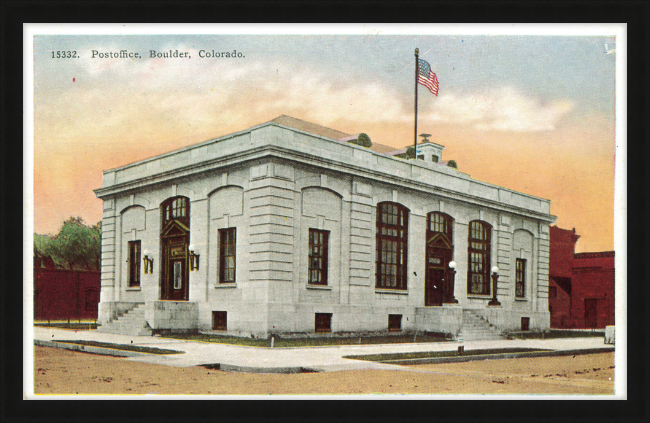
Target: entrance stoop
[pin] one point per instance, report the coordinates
(131, 322)
(476, 328)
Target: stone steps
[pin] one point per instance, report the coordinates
(130, 323)
(475, 328)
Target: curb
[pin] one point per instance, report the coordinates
(460, 359)
(93, 350)
(246, 369)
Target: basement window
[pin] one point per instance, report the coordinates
(219, 320)
(323, 322)
(394, 322)
(525, 324)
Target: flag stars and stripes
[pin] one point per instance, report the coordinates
(426, 77)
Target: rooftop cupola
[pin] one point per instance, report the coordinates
(429, 151)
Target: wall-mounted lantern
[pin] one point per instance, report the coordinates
(148, 262)
(495, 277)
(194, 258)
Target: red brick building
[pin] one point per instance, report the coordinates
(64, 294)
(581, 286)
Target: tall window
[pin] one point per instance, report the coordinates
(318, 241)
(227, 241)
(478, 251)
(520, 278)
(392, 237)
(134, 263)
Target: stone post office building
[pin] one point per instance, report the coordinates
(285, 228)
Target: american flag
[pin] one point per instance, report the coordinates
(426, 77)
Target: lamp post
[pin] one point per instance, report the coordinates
(495, 277)
(449, 284)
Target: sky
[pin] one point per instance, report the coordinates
(535, 114)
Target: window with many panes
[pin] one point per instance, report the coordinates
(441, 223)
(318, 244)
(520, 278)
(227, 250)
(478, 252)
(392, 238)
(134, 263)
(176, 209)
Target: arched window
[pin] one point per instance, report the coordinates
(478, 257)
(392, 240)
(177, 208)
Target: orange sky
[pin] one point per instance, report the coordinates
(555, 142)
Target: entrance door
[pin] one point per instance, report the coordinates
(591, 313)
(175, 275)
(174, 240)
(433, 286)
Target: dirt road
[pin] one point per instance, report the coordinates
(65, 372)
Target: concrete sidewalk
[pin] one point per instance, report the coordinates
(288, 360)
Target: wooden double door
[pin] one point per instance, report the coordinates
(435, 284)
(174, 281)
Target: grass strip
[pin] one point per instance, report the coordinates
(75, 326)
(556, 334)
(439, 354)
(306, 342)
(123, 347)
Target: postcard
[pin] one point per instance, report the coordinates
(325, 210)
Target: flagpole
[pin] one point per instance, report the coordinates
(415, 143)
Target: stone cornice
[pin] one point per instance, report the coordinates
(344, 158)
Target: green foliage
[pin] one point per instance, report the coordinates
(123, 347)
(441, 354)
(305, 342)
(76, 247)
(452, 163)
(362, 140)
(410, 152)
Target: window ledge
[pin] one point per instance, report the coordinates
(225, 285)
(322, 287)
(133, 288)
(521, 299)
(391, 291)
(480, 296)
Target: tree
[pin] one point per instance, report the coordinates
(362, 140)
(77, 246)
(452, 163)
(410, 152)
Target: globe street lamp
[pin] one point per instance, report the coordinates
(449, 285)
(495, 277)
